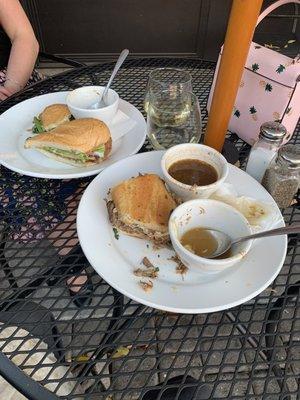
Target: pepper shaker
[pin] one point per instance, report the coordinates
(282, 177)
(265, 149)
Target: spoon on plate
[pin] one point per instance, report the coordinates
(102, 102)
(224, 242)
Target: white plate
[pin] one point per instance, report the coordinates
(115, 260)
(14, 126)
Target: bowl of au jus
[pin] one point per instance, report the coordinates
(193, 171)
(190, 227)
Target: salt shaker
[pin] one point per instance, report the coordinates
(265, 148)
(282, 177)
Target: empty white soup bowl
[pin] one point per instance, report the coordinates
(80, 101)
(211, 214)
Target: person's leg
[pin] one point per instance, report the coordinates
(37, 213)
(62, 238)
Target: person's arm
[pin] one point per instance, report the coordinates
(24, 49)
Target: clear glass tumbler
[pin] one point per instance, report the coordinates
(172, 79)
(174, 117)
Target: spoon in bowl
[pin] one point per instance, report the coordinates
(224, 242)
(102, 102)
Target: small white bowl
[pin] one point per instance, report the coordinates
(193, 151)
(212, 214)
(80, 100)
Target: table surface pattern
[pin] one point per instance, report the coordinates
(112, 347)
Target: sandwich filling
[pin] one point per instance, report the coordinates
(38, 126)
(159, 238)
(77, 155)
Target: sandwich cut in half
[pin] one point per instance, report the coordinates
(51, 118)
(81, 142)
(141, 207)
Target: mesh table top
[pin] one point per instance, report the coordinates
(111, 347)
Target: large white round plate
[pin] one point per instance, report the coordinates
(115, 260)
(15, 126)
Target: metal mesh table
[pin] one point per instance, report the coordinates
(112, 347)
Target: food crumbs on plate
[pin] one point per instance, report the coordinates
(180, 268)
(150, 272)
(116, 233)
(146, 286)
(147, 273)
(147, 262)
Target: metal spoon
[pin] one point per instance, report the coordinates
(102, 102)
(225, 242)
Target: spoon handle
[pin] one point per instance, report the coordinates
(119, 62)
(273, 232)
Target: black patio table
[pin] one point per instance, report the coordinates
(110, 347)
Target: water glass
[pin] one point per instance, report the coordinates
(173, 118)
(172, 79)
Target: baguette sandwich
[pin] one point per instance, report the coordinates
(141, 207)
(51, 118)
(81, 142)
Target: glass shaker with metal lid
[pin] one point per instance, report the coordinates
(265, 148)
(282, 177)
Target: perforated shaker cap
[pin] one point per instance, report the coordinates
(273, 131)
(290, 153)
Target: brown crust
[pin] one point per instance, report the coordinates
(55, 114)
(84, 135)
(144, 201)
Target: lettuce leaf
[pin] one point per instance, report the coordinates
(100, 151)
(37, 125)
(75, 155)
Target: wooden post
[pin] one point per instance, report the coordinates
(240, 29)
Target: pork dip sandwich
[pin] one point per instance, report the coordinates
(141, 207)
(81, 142)
(51, 118)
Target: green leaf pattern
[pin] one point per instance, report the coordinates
(237, 113)
(280, 69)
(268, 87)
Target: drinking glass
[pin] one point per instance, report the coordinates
(173, 118)
(172, 79)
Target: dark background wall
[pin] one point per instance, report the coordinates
(96, 30)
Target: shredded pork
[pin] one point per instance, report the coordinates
(157, 237)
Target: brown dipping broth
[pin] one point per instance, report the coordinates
(193, 172)
(200, 242)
